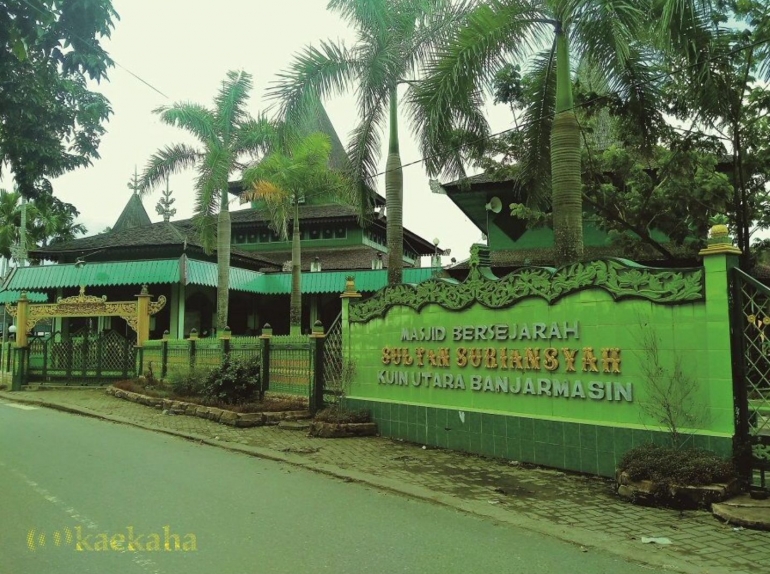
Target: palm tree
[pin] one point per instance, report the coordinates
(226, 134)
(53, 220)
(15, 215)
(394, 36)
(10, 221)
(603, 35)
(283, 180)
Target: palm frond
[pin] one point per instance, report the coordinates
(533, 180)
(196, 119)
(165, 162)
(682, 29)
(255, 136)
(365, 14)
(230, 102)
(437, 20)
(606, 33)
(278, 204)
(211, 191)
(315, 74)
(365, 148)
(451, 96)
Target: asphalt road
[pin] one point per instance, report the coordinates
(78, 495)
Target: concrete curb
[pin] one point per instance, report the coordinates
(656, 556)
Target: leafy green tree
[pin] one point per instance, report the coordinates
(605, 36)
(662, 198)
(53, 221)
(282, 180)
(50, 123)
(732, 104)
(227, 134)
(394, 38)
(48, 219)
(10, 221)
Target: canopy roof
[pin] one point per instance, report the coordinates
(190, 272)
(13, 297)
(96, 274)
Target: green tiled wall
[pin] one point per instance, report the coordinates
(588, 448)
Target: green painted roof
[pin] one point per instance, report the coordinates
(13, 296)
(94, 274)
(205, 273)
(334, 281)
(195, 273)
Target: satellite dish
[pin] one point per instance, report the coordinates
(494, 205)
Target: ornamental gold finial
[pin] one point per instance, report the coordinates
(719, 240)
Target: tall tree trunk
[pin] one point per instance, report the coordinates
(394, 198)
(223, 263)
(565, 163)
(295, 311)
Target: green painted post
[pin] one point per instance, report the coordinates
(84, 353)
(347, 296)
(45, 359)
(99, 351)
(20, 368)
(139, 361)
(317, 339)
(719, 258)
(267, 334)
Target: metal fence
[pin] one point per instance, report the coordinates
(290, 369)
(333, 370)
(164, 357)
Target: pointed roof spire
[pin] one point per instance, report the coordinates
(134, 183)
(133, 214)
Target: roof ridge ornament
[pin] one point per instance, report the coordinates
(163, 207)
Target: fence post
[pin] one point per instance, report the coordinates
(193, 338)
(99, 353)
(139, 365)
(20, 368)
(264, 379)
(317, 339)
(347, 297)
(164, 354)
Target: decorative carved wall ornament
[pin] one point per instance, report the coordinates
(620, 278)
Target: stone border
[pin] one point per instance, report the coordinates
(686, 496)
(322, 429)
(222, 416)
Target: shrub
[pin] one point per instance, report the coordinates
(187, 382)
(234, 382)
(667, 466)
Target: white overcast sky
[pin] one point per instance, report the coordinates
(184, 49)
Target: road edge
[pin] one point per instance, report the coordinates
(626, 550)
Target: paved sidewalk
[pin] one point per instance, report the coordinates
(579, 509)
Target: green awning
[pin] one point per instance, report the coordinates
(94, 274)
(204, 273)
(333, 281)
(13, 297)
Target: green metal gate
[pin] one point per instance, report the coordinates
(750, 306)
(82, 357)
